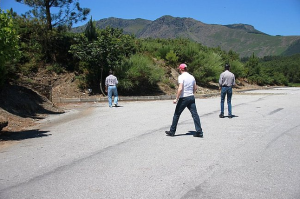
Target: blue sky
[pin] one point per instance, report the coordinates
(273, 17)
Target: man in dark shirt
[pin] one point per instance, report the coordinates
(226, 81)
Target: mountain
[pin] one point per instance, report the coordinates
(129, 26)
(241, 38)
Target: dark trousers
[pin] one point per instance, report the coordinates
(182, 103)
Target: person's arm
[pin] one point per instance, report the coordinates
(106, 85)
(233, 84)
(195, 88)
(220, 81)
(179, 90)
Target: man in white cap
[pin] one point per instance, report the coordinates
(185, 98)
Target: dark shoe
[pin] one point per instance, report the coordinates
(197, 134)
(230, 116)
(169, 133)
(221, 116)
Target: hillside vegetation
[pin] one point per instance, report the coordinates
(241, 38)
(141, 64)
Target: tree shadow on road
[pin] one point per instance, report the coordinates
(22, 135)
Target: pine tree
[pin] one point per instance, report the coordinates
(69, 11)
(90, 31)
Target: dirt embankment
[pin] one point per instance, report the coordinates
(22, 107)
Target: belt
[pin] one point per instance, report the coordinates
(111, 85)
(226, 86)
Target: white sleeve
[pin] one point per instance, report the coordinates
(180, 79)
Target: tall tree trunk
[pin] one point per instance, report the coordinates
(101, 82)
(48, 14)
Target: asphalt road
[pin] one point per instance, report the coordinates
(94, 151)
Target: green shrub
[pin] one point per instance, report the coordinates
(56, 67)
(168, 82)
(188, 51)
(29, 68)
(141, 74)
(237, 69)
(82, 82)
(172, 58)
(162, 52)
(206, 67)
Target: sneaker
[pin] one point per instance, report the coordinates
(115, 105)
(230, 116)
(221, 116)
(169, 133)
(198, 134)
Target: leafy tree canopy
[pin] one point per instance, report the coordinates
(9, 48)
(68, 11)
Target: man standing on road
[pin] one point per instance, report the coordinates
(185, 98)
(111, 82)
(226, 81)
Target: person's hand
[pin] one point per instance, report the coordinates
(175, 101)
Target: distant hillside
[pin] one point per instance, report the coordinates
(241, 38)
(129, 26)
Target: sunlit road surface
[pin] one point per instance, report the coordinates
(94, 151)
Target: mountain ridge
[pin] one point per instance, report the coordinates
(241, 38)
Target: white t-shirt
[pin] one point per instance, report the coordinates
(188, 82)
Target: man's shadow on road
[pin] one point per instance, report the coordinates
(233, 116)
(189, 133)
(117, 106)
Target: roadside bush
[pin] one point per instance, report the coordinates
(162, 52)
(148, 45)
(187, 51)
(29, 68)
(206, 67)
(280, 79)
(171, 58)
(169, 83)
(81, 82)
(56, 67)
(142, 75)
(237, 69)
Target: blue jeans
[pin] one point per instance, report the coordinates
(182, 103)
(226, 91)
(112, 90)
